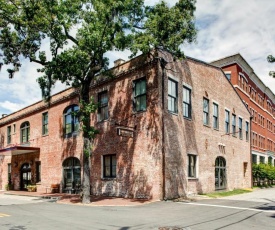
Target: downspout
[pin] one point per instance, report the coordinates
(250, 145)
(162, 65)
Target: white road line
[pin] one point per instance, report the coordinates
(230, 207)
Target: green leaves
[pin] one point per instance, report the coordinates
(271, 59)
(70, 38)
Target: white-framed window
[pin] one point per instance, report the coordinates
(45, 122)
(186, 102)
(247, 131)
(103, 106)
(215, 116)
(140, 94)
(8, 134)
(240, 128)
(172, 96)
(192, 165)
(227, 121)
(233, 124)
(205, 111)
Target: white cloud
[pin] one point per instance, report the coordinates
(10, 106)
(225, 27)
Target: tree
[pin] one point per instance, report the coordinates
(271, 59)
(80, 33)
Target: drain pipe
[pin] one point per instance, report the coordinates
(162, 65)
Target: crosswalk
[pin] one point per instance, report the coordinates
(3, 215)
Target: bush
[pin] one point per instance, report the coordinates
(263, 172)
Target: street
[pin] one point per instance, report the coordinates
(247, 211)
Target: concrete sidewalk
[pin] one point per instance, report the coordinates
(64, 198)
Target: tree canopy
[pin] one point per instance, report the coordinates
(79, 34)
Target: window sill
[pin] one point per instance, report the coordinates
(108, 178)
(45, 135)
(102, 121)
(217, 129)
(205, 125)
(193, 178)
(173, 113)
(69, 135)
(140, 111)
(188, 118)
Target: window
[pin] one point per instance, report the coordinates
(233, 124)
(25, 132)
(254, 158)
(38, 171)
(109, 166)
(227, 121)
(71, 123)
(9, 173)
(262, 159)
(205, 111)
(140, 95)
(103, 106)
(240, 128)
(247, 130)
(8, 134)
(172, 96)
(186, 102)
(228, 75)
(215, 116)
(192, 160)
(14, 128)
(45, 123)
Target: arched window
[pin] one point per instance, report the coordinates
(71, 123)
(220, 173)
(71, 174)
(25, 132)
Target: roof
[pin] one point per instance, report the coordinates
(239, 60)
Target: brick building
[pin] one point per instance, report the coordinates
(163, 134)
(260, 100)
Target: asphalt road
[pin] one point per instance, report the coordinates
(249, 211)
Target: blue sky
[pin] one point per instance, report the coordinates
(225, 27)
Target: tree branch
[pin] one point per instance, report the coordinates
(39, 62)
(69, 36)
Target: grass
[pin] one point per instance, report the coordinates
(228, 193)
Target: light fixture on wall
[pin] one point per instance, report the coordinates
(31, 162)
(15, 164)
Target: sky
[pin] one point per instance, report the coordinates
(225, 27)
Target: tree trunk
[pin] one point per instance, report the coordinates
(86, 122)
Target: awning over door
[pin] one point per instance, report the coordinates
(17, 150)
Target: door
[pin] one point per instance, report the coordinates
(25, 176)
(71, 175)
(220, 173)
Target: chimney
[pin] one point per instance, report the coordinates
(4, 115)
(118, 62)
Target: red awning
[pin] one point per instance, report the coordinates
(16, 150)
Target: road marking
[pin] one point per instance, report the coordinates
(3, 215)
(231, 207)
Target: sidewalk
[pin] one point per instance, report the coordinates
(64, 198)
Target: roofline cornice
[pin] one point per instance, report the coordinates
(239, 60)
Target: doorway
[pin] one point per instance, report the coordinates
(26, 176)
(71, 175)
(220, 173)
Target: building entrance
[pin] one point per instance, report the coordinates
(220, 173)
(26, 176)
